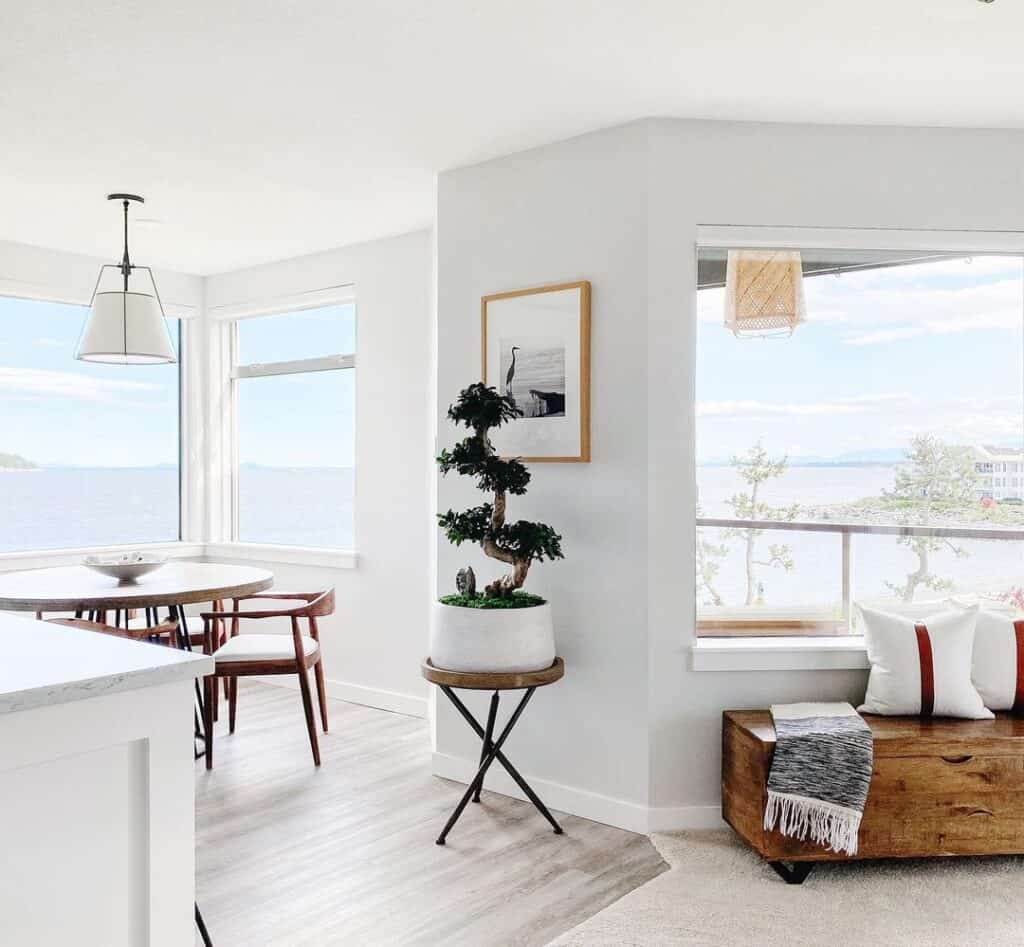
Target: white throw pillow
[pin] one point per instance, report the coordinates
(998, 661)
(921, 667)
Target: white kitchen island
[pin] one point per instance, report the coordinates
(96, 788)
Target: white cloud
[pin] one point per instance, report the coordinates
(40, 383)
(886, 335)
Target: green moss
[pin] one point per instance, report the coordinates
(518, 600)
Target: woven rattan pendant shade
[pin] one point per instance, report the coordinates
(764, 292)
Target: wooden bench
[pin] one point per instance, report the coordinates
(939, 787)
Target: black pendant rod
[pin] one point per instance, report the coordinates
(126, 263)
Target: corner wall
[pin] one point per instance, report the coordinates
(374, 642)
(631, 736)
(572, 211)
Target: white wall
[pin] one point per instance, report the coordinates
(621, 208)
(373, 644)
(575, 211)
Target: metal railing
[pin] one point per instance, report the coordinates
(847, 531)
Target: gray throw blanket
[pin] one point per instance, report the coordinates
(820, 773)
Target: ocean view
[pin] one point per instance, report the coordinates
(68, 507)
(990, 566)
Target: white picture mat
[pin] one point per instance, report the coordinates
(555, 318)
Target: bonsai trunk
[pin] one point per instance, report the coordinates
(507, 584)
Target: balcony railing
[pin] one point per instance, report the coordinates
(797, 621)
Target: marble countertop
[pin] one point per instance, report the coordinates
(43, 664)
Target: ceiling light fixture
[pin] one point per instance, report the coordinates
(124, 327)
(764, 293)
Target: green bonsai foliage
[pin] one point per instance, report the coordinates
(516, 600)
(518, 544)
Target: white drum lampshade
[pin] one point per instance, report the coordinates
(764, 292)
(125, 328)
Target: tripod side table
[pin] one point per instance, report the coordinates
(490, 750)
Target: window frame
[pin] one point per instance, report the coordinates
(316, 299)
(175, 548)
(756, 645)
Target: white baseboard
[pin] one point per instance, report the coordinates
(676, 818)
(408, 704)
(583, 803)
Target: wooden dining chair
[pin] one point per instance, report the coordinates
(250, 654)
(167, 629)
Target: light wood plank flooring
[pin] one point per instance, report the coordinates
(291, 855)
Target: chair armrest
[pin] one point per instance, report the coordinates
(273, 613)
(281, 596)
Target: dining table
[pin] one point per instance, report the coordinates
(174, 585)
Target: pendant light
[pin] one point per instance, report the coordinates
(126, 327)
(764, 293)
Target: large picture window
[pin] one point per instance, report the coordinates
(88, 452)
(294, 380)
(876, 454)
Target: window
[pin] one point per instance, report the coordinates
(861, 458)
(294, 380)
(88, 453)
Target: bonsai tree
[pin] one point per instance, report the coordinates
(480, 408)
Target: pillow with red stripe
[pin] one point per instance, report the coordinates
(998, 668)
(921, 667)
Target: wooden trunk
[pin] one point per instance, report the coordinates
(938, 787)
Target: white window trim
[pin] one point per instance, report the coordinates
(841, 652)
(188, 427)
(288, 555)
(47, 558)
(229, 317)
(327, 363)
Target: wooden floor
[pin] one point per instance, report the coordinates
(290, 855)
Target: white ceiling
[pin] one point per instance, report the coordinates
(262, 129)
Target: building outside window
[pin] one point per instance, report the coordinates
(864, 456)
(294, 394)
(89, 453)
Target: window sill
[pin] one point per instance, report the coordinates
(46, 558)
(289, 555)
(779, 654)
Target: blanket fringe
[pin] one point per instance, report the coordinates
(825, 823)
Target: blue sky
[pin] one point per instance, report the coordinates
(59, 411)
(885, 354)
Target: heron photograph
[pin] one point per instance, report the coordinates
(533, 374)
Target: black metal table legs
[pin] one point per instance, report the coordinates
(489, 752)
(201, 926)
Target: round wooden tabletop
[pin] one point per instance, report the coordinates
(488, 681)
(76, 588)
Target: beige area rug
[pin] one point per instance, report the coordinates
(719, 893)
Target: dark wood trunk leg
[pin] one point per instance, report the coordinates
(321, 691)
(208, 718)
(307, 706)
(231, 687)
(794, 874)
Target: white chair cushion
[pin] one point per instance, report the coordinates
(245, 647)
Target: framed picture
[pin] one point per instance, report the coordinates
(536, 349)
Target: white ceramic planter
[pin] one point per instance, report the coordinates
(492, 639)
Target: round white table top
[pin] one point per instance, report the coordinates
(74, 588)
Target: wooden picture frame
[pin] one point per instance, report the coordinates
(552, 326)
